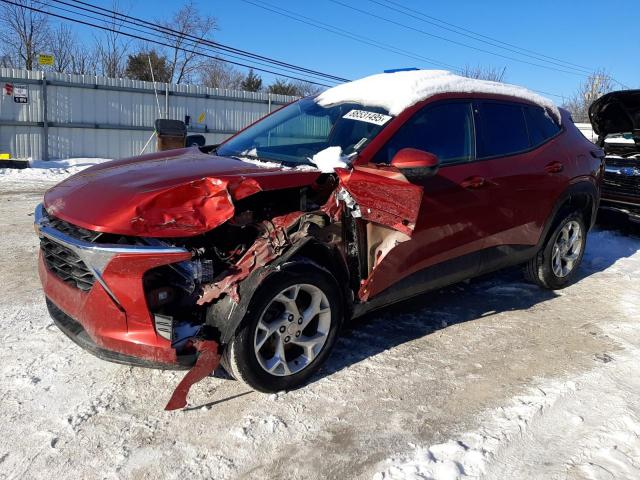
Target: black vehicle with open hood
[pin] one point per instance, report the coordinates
(615, 117)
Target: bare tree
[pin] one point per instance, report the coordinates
(5, 60)
(24, 32)
(596, 85)
(112, 47)
(84, 61)
(183, 59)
(62, 46)
(305, 89)
(219, 74)
(484, 72)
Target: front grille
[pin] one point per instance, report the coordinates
(72, 230)
(619, 184)
(66, 265)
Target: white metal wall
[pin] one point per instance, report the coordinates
(90, 116)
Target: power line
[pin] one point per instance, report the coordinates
(455, 42)
(163, 35)
(327, 28)
(130, 35)
(347, 34)
(217, 45)
(411, 12)
(359, 38)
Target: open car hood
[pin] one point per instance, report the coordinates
(175, 193)
(616, 112)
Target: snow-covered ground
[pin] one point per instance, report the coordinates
(44, 172)
(494, 378)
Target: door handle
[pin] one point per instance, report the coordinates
(554, 167)
(474, 182)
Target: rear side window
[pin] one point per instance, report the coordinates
(503, 130)
(445, 130)
(541, 126)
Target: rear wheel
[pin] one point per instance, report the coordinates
(555, 266)
(289, 329)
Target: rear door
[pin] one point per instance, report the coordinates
(527, 168)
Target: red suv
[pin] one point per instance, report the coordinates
(260, 248)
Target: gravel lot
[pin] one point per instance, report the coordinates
(486, 378)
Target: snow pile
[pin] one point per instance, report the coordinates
(397, 91)
(329, 159)
(50, 171)
(69, 163)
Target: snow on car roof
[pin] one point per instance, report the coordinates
(397, 91)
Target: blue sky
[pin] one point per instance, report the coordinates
(592, 34)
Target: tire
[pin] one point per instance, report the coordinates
(554, 267)
(268, 329)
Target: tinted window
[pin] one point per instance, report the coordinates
(503, 129)
(445, 130)
(541, 126)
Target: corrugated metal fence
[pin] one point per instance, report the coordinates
(88, 116)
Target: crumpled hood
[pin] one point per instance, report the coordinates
(175, 193)
(616, 112)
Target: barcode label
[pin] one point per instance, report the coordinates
(369, 117)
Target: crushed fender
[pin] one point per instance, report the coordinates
(264, 250)
(207, 361)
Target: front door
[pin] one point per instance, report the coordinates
(455, 214)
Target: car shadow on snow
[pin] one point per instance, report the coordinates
(502, 291)
(424, 314)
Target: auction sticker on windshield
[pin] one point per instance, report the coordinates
(369, 117)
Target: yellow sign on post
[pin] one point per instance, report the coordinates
(45, 59)
(201, 117)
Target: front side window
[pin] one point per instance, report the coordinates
(540, 125)
(446, 130)
(502, 131)
(295, 133)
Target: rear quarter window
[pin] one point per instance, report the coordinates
(503, 130)
(540, 125)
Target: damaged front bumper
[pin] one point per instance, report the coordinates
(109, 318)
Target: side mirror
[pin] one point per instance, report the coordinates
(416, 163)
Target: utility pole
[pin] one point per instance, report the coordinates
(45, 122)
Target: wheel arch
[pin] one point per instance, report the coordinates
(583, 196)
(226, 316)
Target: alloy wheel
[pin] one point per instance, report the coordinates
(292, 329)
(567, 249)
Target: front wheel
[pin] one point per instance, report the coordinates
(555, 266)
(288, 331)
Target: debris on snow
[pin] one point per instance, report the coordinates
(399, 90)
(329, 159)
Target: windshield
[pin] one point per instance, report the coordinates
(297, 132)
